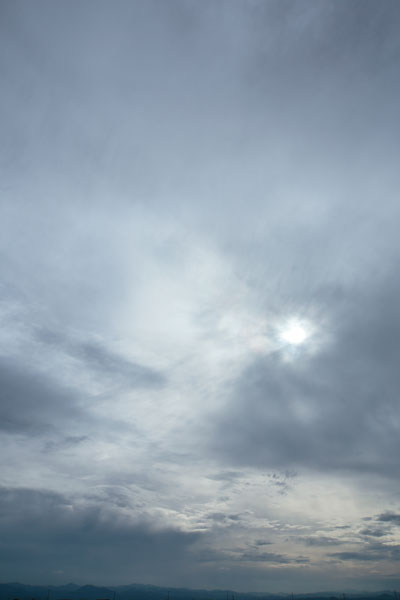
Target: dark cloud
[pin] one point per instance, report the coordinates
(321, 540)
(64, 443)
(271, 557)
(33, 403)
(372, 551)
(262, 543)
(389, 517)
(361, 556)
(103, 361)
(42, 532)
(376, 532)
(223, 517)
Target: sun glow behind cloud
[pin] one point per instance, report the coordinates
(295, 333)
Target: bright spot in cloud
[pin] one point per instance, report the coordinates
(294, 333)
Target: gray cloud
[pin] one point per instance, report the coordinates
(32, 403)
(389, 517)
(103, 361)
(64, 443)
(361, 556)
(43, 531)
(271, 557)
(262, 543)
(376, 532)
(375, 551)
(322, 540)
(220, 516)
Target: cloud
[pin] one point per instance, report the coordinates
(103, 361)
(373, 551)
(44, 531)
(271, 557)
(64, 443)
(322, 540)
(361, 556)
(389, 517)
(33, 404)
(376, 532)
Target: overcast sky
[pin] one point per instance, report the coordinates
(200, 293)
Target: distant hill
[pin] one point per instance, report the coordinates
(72, 591)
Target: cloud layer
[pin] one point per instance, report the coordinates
(180, 181)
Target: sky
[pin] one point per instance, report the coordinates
(199, 293)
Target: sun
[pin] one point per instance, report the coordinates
(294, 333)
